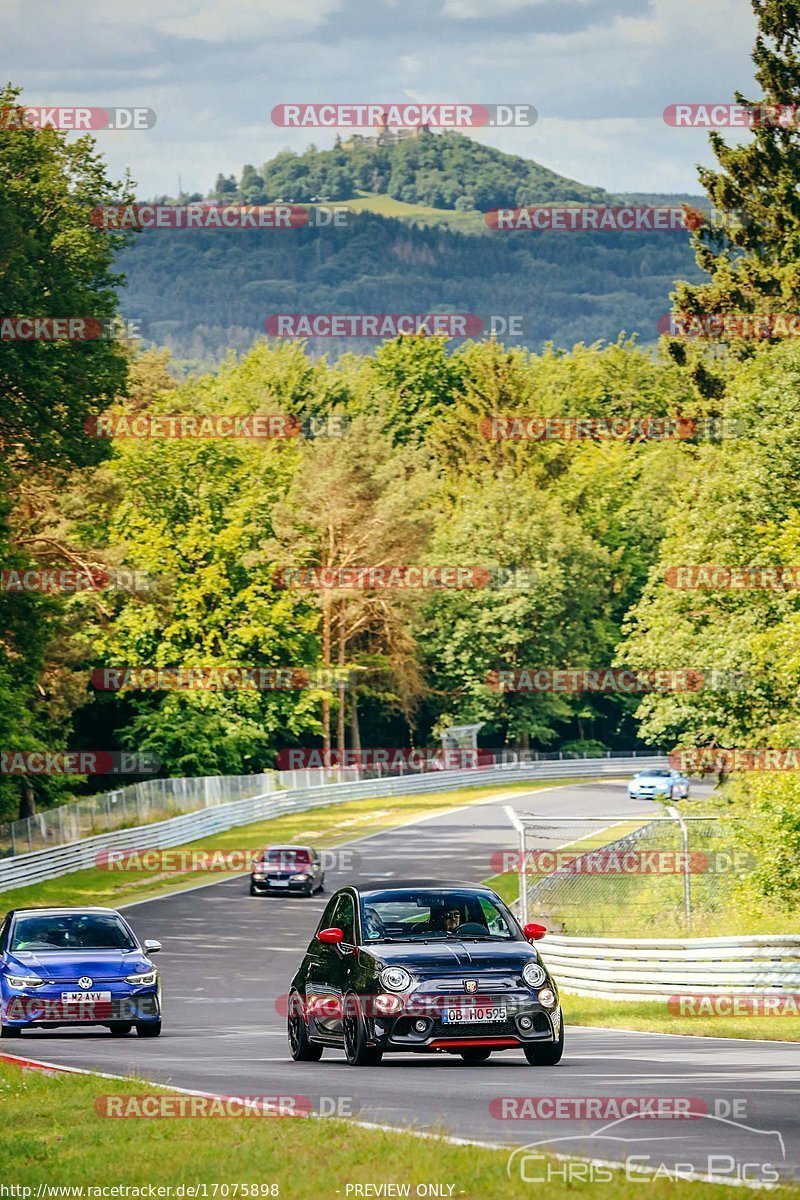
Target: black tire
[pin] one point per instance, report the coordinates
(321, 887)
(10, 1031)
(354, 1031)
(120, 1028)
(149, 1029)
(475, 1054)
(546, 1054)
(300, 1047)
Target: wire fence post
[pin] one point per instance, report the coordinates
(687, 890)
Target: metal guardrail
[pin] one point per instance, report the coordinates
(23, 869)
(661, 968)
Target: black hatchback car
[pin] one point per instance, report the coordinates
(423, 967)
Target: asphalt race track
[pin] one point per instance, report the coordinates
(228, 959)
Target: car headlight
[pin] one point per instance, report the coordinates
(547, 997)
(395, 979)
(143, 979)
(534, 974)
(298, 878)
(25, 981)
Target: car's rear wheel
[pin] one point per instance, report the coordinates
(120, 1028)
(149, 1028)
(475, 1054)
(301, 1048)
(354, 1030)
(546, 1054)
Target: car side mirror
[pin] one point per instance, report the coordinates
(331, 937)
(534, 932)
(151, 946)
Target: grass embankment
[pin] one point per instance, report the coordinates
(652, 1016)
(323, 827)
(40, 1145)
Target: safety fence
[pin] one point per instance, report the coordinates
(49, 863)
(665, 968)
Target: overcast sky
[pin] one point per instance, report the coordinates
(599, 72)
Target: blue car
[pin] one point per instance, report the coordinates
(658, 783)
(76, 966)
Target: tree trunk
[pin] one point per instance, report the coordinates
(27, 801)
(340, 716)
(326, 663)
(355, 728)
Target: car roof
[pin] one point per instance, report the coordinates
(281, 846)
(60, 910)
(401, 885)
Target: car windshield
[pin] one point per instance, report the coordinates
(290, 857)
(656, 774)
(71, 931)
(405, 915)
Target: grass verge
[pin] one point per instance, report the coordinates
(652, 1016)
(323, 827)
(53, 1135)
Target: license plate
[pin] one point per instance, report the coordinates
(278, 882)
(469, 1016)
(92, 997)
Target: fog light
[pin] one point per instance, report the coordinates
(525, 1022)
(420, 1026)
(547, 997)
(386, 1005)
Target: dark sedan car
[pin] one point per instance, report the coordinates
(287, 869)
(423, 967)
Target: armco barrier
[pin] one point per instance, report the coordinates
(23, 869)
(659, 968)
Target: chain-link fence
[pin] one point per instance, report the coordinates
(139, 804)
(656, 876)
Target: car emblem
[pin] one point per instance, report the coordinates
(84, 981)
(470, 985)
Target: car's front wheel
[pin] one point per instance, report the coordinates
(354, 1030)
(149, 1029)
(301, 1048)
(546, 1054)
(120, 1028)
(475, 1055)
(9, 1031)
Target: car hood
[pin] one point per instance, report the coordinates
(69, 964)
(442, 957)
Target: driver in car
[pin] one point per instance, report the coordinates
(452, 919)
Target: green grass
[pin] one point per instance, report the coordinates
(651, 1016)
(322, 827)
(52, 1134)
(471, 221)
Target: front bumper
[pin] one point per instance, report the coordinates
(526, 1022)
(44, 1006)
(281, 883)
